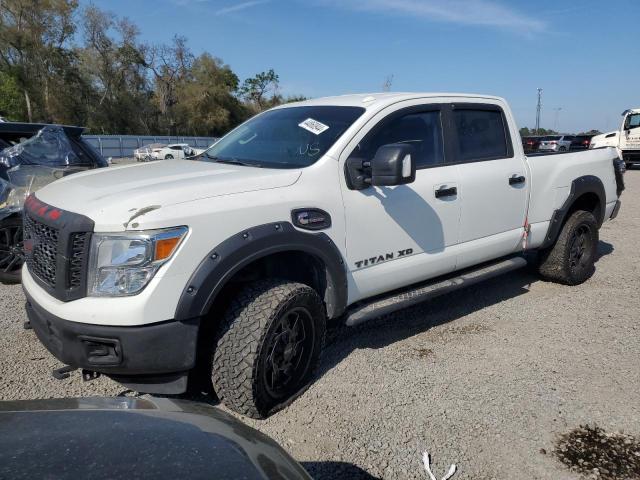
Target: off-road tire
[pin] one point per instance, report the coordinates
(247, 332)
(10, 243)
(558, 263)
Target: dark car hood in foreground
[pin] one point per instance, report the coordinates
(102, 438)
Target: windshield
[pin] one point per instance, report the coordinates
(290, 137)
(550, 137)
(633, 121)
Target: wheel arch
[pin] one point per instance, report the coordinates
(276, 249)
(587, 193)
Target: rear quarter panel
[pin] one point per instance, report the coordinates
(551, 179)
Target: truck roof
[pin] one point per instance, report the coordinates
(381, 99)
(23, 128)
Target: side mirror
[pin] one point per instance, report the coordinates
(393, 164)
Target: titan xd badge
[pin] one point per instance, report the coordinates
(383, 258)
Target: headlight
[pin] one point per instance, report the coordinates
(124, 263)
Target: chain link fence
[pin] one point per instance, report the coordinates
(120, 146)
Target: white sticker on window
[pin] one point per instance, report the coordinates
(313, 126)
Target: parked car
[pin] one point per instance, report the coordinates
(579, 142)
(173, 151)
(143, 154)
(626, 140)
(336, 208)
(530, 144)
(116, 438)
(37, 155)
(555, 143)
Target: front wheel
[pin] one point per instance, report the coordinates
(11, 254)
(268, 346)
(168, 157)
(571, 260)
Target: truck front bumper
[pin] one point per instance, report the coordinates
(631, 157)
(154, 358)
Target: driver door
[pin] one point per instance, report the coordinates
(399, 235)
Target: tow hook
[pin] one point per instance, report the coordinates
(63, 372)
(88, 375)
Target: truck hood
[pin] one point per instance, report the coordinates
(608, 139)
(111, 194)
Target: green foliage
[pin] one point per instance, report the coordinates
(261, 91)
(11, 101)
(526, 132)
(591, 132)
(63, 64)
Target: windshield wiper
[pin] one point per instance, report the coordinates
(235, 161)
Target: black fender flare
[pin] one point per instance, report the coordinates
(580, 186)
(250, 245)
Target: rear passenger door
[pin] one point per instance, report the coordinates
(494, 180)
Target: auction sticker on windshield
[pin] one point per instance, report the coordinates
(313, 126)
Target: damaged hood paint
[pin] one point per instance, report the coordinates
(121, 194)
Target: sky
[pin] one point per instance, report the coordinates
(583, 54)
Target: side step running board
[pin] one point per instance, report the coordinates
(432, 289)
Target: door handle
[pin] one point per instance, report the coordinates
(516, 179)
(446, 192)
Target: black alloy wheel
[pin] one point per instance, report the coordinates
(11, 251)
(287, 360)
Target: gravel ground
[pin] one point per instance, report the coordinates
(488, 378)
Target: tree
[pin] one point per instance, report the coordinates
(34, 37)
(261, 91)
(206, 100)
(170, 65)
(526, 132)
(591, 132)
(110, 81)
(11, 102)
(114, 63)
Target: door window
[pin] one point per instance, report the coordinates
(421, 130)
(481, 134)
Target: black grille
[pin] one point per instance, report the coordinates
(43, 256)
(77, 259)
(56, 247)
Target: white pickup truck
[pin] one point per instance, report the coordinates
(336, 208)
(626, 140)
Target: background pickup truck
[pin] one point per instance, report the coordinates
(336, 208)
(626, 140)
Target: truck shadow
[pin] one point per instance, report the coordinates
(403, 324)
(333, 470)
(604, 249)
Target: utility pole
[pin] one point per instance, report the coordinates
(556, 123)
(538, 111)
(386, 86)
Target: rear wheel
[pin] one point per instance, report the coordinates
(11, 253)
(571, 260)
(268, 347)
